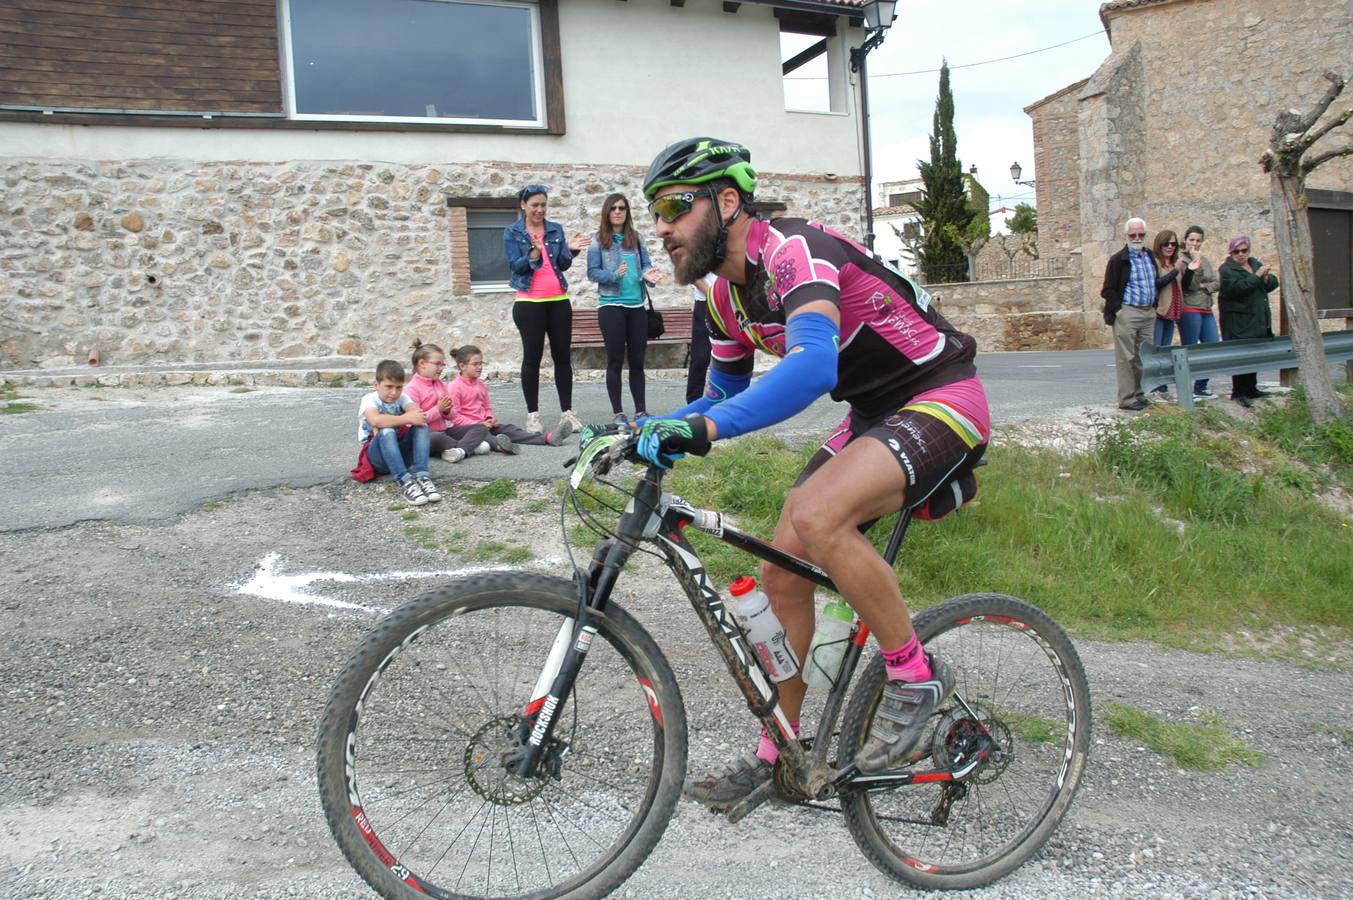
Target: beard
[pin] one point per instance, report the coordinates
(699, 260)
(1137, 245)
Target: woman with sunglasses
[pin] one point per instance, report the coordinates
(1243, 304)
(1197, 324)
(1169, 296)
(619, 263)
(538, 254)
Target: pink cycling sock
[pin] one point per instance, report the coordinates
(908, 662)
(766, 751)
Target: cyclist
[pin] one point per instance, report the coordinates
(842, 322)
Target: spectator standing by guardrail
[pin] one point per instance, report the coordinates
(1243, 304)
(1169, 294)
(1197, 324)
(1129, 294)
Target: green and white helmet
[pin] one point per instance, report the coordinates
(698, 160)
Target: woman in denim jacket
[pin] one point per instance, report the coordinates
(618, 262)
(537, 253)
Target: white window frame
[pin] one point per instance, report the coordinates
(537, 87)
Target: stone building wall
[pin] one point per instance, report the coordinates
(175, 261)
(1173, 123)
(1057, 165)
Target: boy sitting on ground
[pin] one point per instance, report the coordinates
(393, 432)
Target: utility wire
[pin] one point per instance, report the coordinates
(985, 62)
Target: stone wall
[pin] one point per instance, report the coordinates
(175, 261)
(1027, 314)
(1058, 170)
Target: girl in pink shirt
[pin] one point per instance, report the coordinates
(426, 388)
(470, 407)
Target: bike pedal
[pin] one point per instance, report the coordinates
(740, 810)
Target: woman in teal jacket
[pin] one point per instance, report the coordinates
(1243, 304)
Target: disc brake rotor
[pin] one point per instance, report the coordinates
(485, 764)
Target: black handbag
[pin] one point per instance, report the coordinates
(656, 326)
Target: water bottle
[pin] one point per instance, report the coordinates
(752, 610)
(828, 650)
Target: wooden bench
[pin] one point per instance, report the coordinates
(677, 319)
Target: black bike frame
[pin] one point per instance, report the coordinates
(652, 516)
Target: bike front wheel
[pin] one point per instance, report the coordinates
(413, 745)
(1024, 686)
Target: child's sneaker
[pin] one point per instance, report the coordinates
(533, 423)
(482, 448)
(560, 433)
(454, 455)
(574, 423)
(429, 489)
(620, 419)
(505, 444)
(413, 493)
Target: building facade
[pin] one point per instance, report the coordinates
(1171, 126)
(257, 179)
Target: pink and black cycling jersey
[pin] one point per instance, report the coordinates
(894, 344)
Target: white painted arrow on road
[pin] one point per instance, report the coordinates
(270, 584)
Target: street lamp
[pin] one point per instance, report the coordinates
(878, 18)
(1016, 171)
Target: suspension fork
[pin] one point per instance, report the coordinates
(574, 638)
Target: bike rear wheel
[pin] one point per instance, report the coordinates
(1020, 675)
(417, 726)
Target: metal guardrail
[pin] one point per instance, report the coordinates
(1187, 364)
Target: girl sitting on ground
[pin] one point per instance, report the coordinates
(470, 406)
(452, 442)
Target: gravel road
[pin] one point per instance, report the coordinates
(160, 723)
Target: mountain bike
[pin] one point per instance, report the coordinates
(515, 734)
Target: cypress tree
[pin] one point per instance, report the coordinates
(944, 208)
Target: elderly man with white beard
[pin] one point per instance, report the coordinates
(1129, 294)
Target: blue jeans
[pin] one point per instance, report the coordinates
(1164, 332)
(397, 455)
(1197, 328)
(1162, 336)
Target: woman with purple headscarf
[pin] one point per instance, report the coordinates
(1243, 304)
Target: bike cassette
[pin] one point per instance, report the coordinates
(958, 736)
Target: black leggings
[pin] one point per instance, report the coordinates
(535, 321)
(695, 375)
(624, 329)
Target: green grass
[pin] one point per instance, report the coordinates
(15, 407)
(1343, 734)
(516, 555)
(409, 516)
(1205, 747)
(494, 493)
(1033, 729)
(1176, 531)
(422, 536)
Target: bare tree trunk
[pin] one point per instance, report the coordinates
(1293, 233)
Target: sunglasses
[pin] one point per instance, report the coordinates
(1170, 244)
(1240, 250)
(1133, 234)
(620, 207)
(670, 207)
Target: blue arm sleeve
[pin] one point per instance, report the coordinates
(722, 386)
(807, 371)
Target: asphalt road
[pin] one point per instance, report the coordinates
(144, 456)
